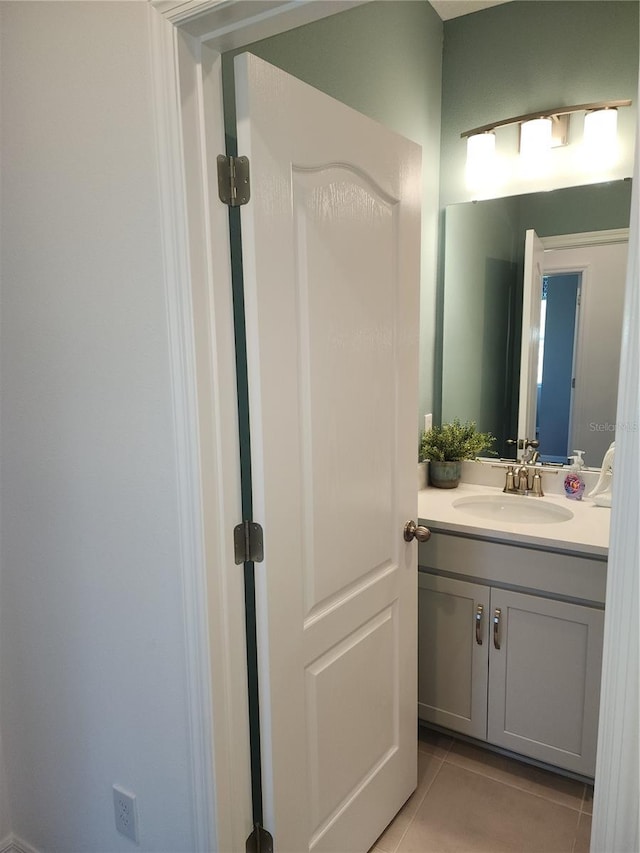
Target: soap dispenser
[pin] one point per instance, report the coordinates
(573, 482)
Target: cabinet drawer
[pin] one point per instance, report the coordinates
(495, 563)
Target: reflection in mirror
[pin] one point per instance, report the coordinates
(483, 299)
(559, 322)
(576, 395)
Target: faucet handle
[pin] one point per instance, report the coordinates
(536, 486)
(509, 485)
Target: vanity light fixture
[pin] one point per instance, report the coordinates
(546, 129)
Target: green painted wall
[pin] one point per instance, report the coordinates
(535, 54)
(385, 60)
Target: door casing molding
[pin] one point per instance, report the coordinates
(586, 238)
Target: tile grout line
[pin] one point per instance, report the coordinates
(422, 799)
(575, 832)
(438, 758)
(516, 787)
(584, 799)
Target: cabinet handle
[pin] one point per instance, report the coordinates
(496, 627)
(479, 615)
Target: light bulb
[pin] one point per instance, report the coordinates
(601, 138)
(481, 155)
(535, 137)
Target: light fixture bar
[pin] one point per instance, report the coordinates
(558, 111)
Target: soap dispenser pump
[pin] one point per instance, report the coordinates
(573, 482)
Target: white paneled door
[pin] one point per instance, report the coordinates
(331, 245)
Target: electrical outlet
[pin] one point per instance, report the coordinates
(428, 422)
(126, 813)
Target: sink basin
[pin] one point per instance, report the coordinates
(516, 509)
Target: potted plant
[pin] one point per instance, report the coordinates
(446, 446)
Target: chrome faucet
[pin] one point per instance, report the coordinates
(517, 482)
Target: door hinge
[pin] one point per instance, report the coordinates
(234, 186)
(248, 543)
(260, 841)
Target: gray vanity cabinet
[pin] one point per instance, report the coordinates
(544, 691)
(518, 670)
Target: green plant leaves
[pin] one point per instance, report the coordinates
(453, 442)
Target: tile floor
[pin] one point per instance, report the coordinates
(469, 800)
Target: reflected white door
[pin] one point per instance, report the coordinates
(331, 242)
(603, 271)
(530, 347)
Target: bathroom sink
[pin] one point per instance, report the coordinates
(513, 509)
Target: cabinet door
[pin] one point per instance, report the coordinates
(453, 640)
(545, 679)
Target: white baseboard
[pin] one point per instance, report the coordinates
(12, 844)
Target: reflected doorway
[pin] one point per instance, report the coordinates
(559, 322)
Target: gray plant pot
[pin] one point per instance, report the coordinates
(444, 475)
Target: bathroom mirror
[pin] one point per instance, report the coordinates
(483, 288)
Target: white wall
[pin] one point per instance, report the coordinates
(92, 638)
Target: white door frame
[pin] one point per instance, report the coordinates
(187, 37)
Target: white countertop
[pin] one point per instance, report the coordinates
(586, 533)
